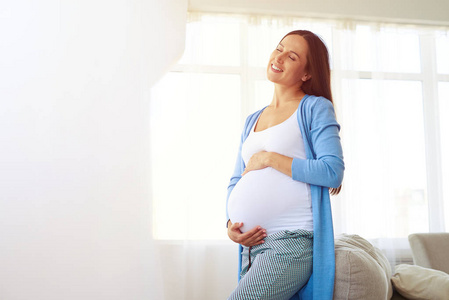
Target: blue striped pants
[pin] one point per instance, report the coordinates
(276, 269)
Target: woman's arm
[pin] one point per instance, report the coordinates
(328, 166)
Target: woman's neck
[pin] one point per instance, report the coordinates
(285, 96)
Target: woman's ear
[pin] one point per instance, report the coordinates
(306, 77)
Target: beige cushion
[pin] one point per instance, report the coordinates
(430, 250)
(415, 282)
(361, 270)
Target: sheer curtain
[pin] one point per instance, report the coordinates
(391, 93)
(379, 99)
(442, 59)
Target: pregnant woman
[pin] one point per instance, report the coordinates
(290, 158)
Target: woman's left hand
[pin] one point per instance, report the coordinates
(257, 161)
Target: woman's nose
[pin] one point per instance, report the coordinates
(279, 58)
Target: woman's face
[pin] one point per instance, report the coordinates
(288, 62)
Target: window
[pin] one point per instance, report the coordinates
(385, 175)
(195, 126)
(385, 95)
(443, 92)
(442, 48)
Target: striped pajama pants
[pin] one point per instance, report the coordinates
(276, 269)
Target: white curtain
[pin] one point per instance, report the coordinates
(378, 87)
(391, 90)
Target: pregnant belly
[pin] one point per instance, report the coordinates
(267, 198)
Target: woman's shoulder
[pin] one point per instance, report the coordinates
(256, 113)
(313, 105)
(254, 116)
(317, 110)
(250, 121)
(312, 100)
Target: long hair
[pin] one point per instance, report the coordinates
(319, 70)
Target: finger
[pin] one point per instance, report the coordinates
(256, 237)
(255, 234)
(236, 232)
(260, 236)
(254, 231)
(236, 226)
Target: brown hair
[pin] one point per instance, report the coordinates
(319, 70)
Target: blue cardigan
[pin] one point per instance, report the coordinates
(322, 169)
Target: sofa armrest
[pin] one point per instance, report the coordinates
(429, 250)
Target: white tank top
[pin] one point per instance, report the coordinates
(268, 197)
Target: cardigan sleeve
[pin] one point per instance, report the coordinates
(327, 167)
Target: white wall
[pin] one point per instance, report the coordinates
(406, 11)
(74, 153)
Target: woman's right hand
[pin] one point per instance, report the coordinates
(250, 238)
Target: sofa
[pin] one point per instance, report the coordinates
(363, 271)
(428, 278)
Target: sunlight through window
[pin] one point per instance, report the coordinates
(380, 84)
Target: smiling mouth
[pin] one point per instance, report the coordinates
(276, 68)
